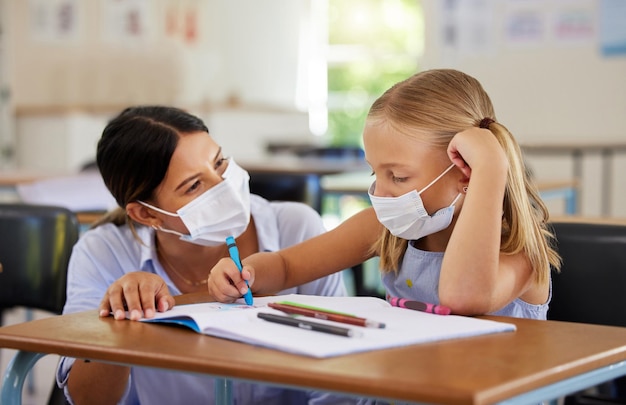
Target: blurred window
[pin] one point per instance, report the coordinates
(372, 45)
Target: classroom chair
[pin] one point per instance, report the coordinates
(590, 287)
(35, 246)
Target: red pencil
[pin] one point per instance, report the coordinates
(330, 316)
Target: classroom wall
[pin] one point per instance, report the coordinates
(195, 54)
(546, 84)
(183, 51)
(198, 54)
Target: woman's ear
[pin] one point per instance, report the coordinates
(141, 214)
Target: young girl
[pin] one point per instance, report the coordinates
(179, 198)
(455, 220)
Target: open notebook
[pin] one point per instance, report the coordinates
(239, 322)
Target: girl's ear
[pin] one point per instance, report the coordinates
(463, 184)
(142, 214)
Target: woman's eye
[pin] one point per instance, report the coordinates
(194, 186)
(398, 179)
(221, 163)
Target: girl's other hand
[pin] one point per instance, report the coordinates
(226, 283)
(140, 293)
(474, 147)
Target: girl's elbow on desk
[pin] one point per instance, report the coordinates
(478, 304)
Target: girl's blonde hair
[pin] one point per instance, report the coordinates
(439, 103)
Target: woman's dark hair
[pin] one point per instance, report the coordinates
(135, 149)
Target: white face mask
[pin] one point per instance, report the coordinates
(406, 217)
(221, 211)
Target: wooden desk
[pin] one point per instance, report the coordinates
(11, 178)
(542, 360)
(578, 219)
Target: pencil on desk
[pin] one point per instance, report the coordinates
(320, 313)
(308, 325)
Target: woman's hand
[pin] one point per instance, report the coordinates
(226, 283)
(140, 293)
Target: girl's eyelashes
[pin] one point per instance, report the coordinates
(398, 179)
(395, 179)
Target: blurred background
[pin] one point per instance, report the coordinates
(304, 72)
(299, 75)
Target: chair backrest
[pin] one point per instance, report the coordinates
(592, 283)
(35, 245)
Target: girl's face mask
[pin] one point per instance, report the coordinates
(221, 211)
(406, 217)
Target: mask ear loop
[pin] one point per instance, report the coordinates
(173, 232)
(437, 178)
(171, 214)
(456, 199)
(158, 227)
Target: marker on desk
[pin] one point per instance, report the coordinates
(319, 313)
(302, 324)
(419, 306)
(234, 254)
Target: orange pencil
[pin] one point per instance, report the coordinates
(330, 315)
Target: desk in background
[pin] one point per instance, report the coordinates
(358, 182)
(577, 150)
(542, 360)
(296, 178)
(9, 179)
(84, 192)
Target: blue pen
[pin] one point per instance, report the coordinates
(234, 254)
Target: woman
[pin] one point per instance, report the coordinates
(179, 199)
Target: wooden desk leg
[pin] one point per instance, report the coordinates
(15, 375)
(223, 391)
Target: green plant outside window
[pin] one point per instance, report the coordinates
(372, 45)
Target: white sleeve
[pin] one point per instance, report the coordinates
(100, 257)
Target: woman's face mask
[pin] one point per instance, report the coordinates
(406, 217)
(221, 211)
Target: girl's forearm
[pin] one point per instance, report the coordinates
(346, 245)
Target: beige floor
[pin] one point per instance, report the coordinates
(41, 378)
